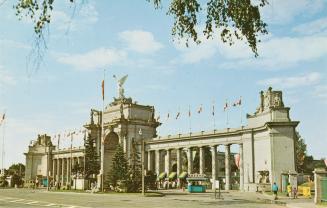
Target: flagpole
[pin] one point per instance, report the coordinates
(214, 115)
(240, 103)
(189, 116)
(3, 145)
(102, 130)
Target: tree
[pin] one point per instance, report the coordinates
(119, 171)
(232, 19)
(18, 169)
(92, 164)
(301, 154)
(134, 172)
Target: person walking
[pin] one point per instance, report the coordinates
(289, 190)
(275, 190)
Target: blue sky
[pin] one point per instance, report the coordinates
(131, 37)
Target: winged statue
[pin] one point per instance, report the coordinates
(120, 84)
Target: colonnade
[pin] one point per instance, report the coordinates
(154, 160)
(62, 169)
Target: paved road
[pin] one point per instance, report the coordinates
(40, 198)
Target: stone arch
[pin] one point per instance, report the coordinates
(110, 145)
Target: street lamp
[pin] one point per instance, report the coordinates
(142, 160)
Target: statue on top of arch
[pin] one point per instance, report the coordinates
(270, 99)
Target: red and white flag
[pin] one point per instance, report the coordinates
(178, 115)
(102, 85)
(200, 109)
(238, 102)
(226, 106)
(2, 118)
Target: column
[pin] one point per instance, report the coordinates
(58, 170)
(202, 162)
(150, 162)
(62, 171)
(157, 155)
(54, 169)
(189, 160)
(227, 167)
(179, 161)
(214, 170)
(146, 160)
(241, 168)
(167, 162)
(68, 172)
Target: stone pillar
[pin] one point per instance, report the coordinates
(179, 161)
(62, 171)
(227, 167)
(167, 162)
(157, 155)
(79, 161)
(58, 170)
(54, 168)
(189, 160)
(68, 172)
(202, 161)
(150, 162)
(241, 168)
(214, 166)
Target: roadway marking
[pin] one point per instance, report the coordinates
(37, 203)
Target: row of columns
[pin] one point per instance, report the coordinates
(214, 162)
(62, 167)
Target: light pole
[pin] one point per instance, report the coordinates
(142, 161)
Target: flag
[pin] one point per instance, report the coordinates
(238, 102)
(102, 85)
(189, 111)
(213, 108)
(178, 114)
(226, 106)
(200, 109)
(167, 116)
(2, 118)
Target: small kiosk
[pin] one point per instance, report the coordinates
(197, 183)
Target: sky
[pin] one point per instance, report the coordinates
(131, 37)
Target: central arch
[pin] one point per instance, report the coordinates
(110, 145)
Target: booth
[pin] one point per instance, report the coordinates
(197, 183)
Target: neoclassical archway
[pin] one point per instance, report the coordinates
(110, 145)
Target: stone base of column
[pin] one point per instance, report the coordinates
(99, 181)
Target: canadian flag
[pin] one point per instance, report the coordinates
(238, 102)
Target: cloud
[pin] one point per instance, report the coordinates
(14, 44)
(313, 27)
(140, 41)
(85, 16)
(98, 58)
(276, 53)
(285, 11)
(320, 91)
(293, 82)
(6, 78)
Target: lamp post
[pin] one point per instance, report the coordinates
(142, 161)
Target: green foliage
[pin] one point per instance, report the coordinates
(3, 182)
(150, 180)
(135, 175)
(17, 180)
(77, 168)
(18, 169)
(119, 171)
(301, 154)
(232, 19)
(92, 164)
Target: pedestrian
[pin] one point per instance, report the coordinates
(294, 192)
(275, 190)
(289, 190)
